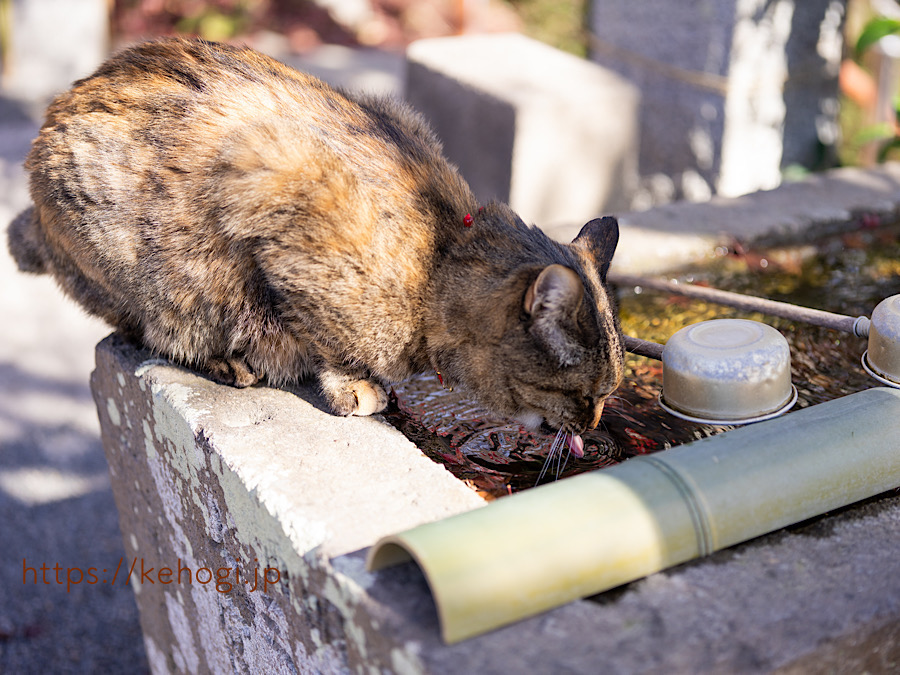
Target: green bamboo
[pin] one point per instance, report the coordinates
(543, 547)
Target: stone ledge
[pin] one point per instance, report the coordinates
(675, 235)
(205, 476)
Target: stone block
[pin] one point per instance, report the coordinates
(214, 487)
(53, 43)
(670, 236)
(551, 134)
(212, 482)
(733, 92)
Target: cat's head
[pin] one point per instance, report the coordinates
(543, 344)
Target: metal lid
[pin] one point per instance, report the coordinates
(882, 359)
(727, 371)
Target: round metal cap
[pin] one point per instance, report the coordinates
(882, 359)
(727, 371)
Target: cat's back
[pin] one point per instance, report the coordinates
(192, 95)
(155, 118)
(177, 77)
(171, 113)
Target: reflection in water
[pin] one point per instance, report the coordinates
(496, 456)
(848, 274)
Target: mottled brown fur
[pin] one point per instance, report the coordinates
(247, 220)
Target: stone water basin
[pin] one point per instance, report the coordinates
(847, 273)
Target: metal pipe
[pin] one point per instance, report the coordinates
(858, 326)
(652, 350)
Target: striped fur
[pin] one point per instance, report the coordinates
(249, 221)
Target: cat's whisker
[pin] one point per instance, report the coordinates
(561, 469)
(555, 447)
(620, 401)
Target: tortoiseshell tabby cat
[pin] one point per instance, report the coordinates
(249, 221)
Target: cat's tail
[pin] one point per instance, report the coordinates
(26, 243)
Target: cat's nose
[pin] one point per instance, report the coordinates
(598, 410)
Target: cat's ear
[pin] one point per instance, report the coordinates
(600, 238)
(552, 302)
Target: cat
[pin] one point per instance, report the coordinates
(247, 220)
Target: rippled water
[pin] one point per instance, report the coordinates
(848, 274)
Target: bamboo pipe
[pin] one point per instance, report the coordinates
(858, 326)
(537, 549)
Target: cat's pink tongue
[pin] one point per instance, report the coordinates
(576, 445)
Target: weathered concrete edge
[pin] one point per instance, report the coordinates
(282, 443)
(668, 237)
(192, 500)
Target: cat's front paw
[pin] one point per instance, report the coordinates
(349, 395)
(360, 398)
(370, 398)
(235, 372)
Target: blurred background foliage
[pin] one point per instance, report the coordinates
(387, 24)
(870, 83)
(869, 78)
